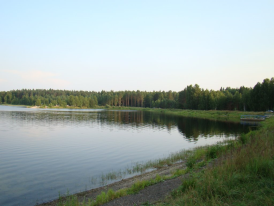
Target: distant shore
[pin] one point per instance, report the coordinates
(218, 115)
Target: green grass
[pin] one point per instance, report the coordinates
(245, 177)
(139, 168)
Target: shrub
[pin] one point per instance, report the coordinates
(243, 138)
(190, 162)
(213, 151)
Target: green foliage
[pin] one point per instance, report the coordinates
(243, 138)
(199, 152)
(201, 164)
(261, 167)
(102, 198)
(38, 102)
(108, 106)
(260, 98)
(137, 186)
(158, 178)
(187, 184)
(244, 178)
(212, 152)
(190, 162)
(180, 172)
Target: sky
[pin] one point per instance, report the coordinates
(142, 45)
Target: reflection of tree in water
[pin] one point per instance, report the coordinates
(125, 117)
(190, 128)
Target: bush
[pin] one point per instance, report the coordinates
(243, 138)
(213, 151)
(190, 162)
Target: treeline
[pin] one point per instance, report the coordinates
(258, 98)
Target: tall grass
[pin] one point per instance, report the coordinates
(140, 168)
(189, 156)
(245, 177)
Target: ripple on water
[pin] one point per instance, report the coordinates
(44, 152)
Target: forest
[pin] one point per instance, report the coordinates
(258, 98)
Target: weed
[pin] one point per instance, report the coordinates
(158, 178)
(201, 164)
(243, 139)
(190, 162)
(213, 151)
(137, 186)
(180, 172)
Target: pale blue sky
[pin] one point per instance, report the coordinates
(131, 45)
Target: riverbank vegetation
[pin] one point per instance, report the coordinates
(192, 159)
(258, 98)
(241, 173)
(244, 176)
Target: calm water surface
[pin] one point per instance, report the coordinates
(44, 153)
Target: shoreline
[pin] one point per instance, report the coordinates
(216, 115)
(120, 184)
(158, 190)
(129, 182)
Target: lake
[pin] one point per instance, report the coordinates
(47, 152)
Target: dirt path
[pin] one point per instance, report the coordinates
(155, 193)
(151, 194)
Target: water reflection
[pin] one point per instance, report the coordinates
(250, 123)
(192, 128)
(44, 152)
(189, 128)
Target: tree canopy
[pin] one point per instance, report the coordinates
(258, 98)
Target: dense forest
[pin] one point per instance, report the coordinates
(258, 98)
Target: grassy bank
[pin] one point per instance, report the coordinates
(244, 175)
(193, 159)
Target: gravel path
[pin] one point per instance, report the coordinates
(150, 194)
(157, 192)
